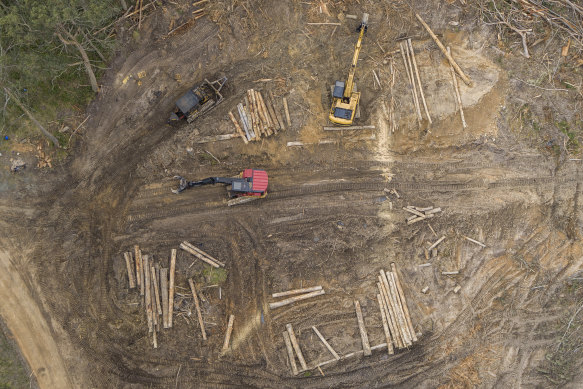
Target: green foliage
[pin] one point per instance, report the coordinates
(215, 276)
(47, 75)
(565, 128)
(12, 372)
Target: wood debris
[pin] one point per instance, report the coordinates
(190, 248)
(420, 213)
(410, 47)
(474, 241)
(259, 116)
(459, 71)
(130, 269)
(334, 353)
(456, 90)
(228, 333)
(43, 159)
(197, 306)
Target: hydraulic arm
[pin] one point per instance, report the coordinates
(344, 98)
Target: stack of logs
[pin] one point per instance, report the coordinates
(156, 287)
(420, 213)
(259, 116)
(397, 325)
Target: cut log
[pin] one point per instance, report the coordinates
(390, 349)
(137, 256)
(417, 104)
(475, 241)
(296, 291)
(197, 306)
(418, 219)
(238, 128)
(286, 109)
(436, 243)
(393, 299)
(147, 287)
(228, 333)
(277, 111)
(349, 128)
(153, 299)
(244, 120)
(425, 290)
(450, 273)
(262, 117)
(130, 269)
(198, 255)
(296, 346)
(290, 353)
(253, 111)
(156, 290)
(400, 309)
(457, 288)
(419, 80)
(362, 328)
(459, 71)
(391, 315)
(271, 112)
(171, 287)
(414, 211)
(403, 301)
(295, 298)
(334, 353)
(456, 91)
(164, 295)
(216, 138)
(203, 253)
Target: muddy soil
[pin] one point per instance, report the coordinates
(326, 221)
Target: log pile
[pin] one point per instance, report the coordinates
(156, 285)
(156, 294)
(395, 319)
(397, 324)
(259, 116)
(420, 213)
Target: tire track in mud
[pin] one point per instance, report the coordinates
(219, 207)
(443, 167)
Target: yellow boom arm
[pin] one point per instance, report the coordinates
(344, 99)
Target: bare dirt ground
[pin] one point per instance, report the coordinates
(325, 222)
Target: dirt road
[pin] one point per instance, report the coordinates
(32, 333)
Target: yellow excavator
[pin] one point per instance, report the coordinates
(344, 96)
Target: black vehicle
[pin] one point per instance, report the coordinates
(198, 100)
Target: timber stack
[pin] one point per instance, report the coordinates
(259, 116)
(156, 287)
(397, 325)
